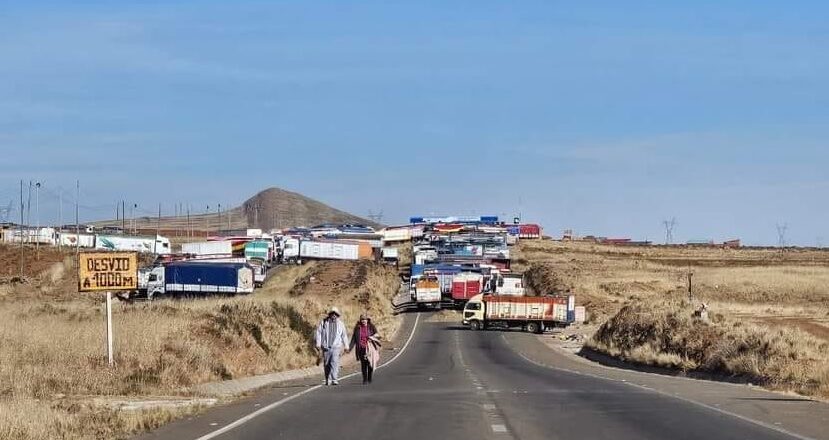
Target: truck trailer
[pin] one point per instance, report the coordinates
(426, 292)
(533, 314)
(218, 249)
(196, 278)
(296, 250)
(152, 245)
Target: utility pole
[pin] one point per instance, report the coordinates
(157, 231)
(60, 217)
(188, 220)
(21, 231)
(77, 222)
(220, 219)
(29, 214)
(37, 220)
(123, 216)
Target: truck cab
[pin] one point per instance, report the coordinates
(290, 250)
(473, 312)
(151, 282)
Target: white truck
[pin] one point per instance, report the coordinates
(152, 245)
(425, 291)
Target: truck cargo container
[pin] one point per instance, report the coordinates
(427, 292)
(220, 249)
(534, 314)
(198, 278)
(296, 250)
(46, 236)
(71, 239)
(391, 255)
(529, 231)
(152, 245)
(466, 285)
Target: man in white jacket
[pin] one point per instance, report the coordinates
(331, 339)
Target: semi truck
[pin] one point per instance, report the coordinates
(196, 278)
(533, 314)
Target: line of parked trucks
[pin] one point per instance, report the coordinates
(464, 262)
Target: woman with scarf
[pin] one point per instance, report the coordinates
(366, 341)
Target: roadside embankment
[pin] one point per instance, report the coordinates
(53, 371)
(665, 333)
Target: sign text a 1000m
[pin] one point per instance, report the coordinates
(107, 271)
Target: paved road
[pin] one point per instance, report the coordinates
(454, 383)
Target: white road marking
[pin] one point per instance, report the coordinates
(265, 409)
(499, 428)
(663, 393)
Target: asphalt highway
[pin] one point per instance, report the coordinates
(453, 383)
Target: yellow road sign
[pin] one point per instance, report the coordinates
(107, 271)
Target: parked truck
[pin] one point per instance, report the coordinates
(218, 249)
(152, 245)
(296, 250)
(426, 291)
(196, 278)
(533, 314)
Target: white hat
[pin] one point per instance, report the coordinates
(334, 310)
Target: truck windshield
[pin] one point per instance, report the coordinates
(473, 306)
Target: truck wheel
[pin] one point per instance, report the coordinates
(533, 327)
(475, 325)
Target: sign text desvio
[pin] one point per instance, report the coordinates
(107, 271)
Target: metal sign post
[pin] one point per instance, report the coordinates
(108, 272)
(110, 352)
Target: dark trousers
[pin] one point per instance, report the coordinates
(366, 368)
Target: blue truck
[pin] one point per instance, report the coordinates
(197, 278)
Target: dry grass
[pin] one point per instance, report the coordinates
(771, 307)
(52, 352)
(665, 333)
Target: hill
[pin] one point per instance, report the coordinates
(271, 208)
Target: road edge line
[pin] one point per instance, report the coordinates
(666, 394)
(260, 411)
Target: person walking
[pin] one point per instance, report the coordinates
(331, 339)
(367, 343)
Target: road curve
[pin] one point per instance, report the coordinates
(455, 383)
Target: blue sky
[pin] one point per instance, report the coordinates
(598, 116)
